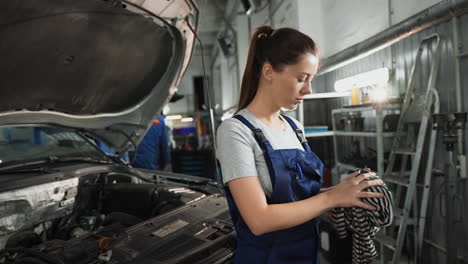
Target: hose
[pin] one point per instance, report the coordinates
(38, 257)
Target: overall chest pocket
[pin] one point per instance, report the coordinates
(304, 186)
(306, 174)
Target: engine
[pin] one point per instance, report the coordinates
(65, 221)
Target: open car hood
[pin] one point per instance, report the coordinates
(104, 67)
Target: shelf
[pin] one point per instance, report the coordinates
(327, 95)
(363, 134)
(319, 134)
(367, 108)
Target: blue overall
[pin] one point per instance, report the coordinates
(153, 152)
(295, 175)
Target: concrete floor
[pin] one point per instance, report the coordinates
(323, 260)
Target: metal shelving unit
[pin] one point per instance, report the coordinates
(379, 134)
(320, 134)
(320, 96)
(363, 134)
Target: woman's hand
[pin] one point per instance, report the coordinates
(349, 192)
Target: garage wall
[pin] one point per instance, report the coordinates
(342, 22)
(336, 24)
(311, 20)
(186, 104)
(402, 9)
(400, 58)
(225, 82)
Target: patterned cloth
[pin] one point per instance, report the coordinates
(364, 224)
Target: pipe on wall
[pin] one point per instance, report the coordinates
(458, 88)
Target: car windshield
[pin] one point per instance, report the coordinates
(21, 144)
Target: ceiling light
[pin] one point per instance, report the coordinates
(187, 119)
(378, 95)
(173, 117)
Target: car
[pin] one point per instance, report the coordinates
(74, 73)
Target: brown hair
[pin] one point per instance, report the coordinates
(280, 47)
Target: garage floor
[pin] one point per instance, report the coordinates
(323, 260)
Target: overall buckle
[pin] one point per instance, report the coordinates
(259, 135)
(300, 136)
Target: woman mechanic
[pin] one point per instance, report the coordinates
(272, 178)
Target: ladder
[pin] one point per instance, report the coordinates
(410, 137)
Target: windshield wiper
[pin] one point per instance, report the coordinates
(20, 170)
(53, 159)
(20, 167)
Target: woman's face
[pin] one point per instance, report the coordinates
(290, 85)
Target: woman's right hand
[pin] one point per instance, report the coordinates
(349, 192)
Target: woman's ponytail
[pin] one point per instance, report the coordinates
(253, 67)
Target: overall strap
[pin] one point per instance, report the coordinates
(258, 133)
(299, 133)
(264, 145)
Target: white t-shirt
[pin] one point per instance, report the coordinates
(239, 153)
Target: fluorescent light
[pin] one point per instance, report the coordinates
(327, 95)
(374, 77)
(187, 119)
(173, 117)
(378, 95)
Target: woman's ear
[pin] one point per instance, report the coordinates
(267, 71)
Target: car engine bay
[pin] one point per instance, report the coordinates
(113, 217)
